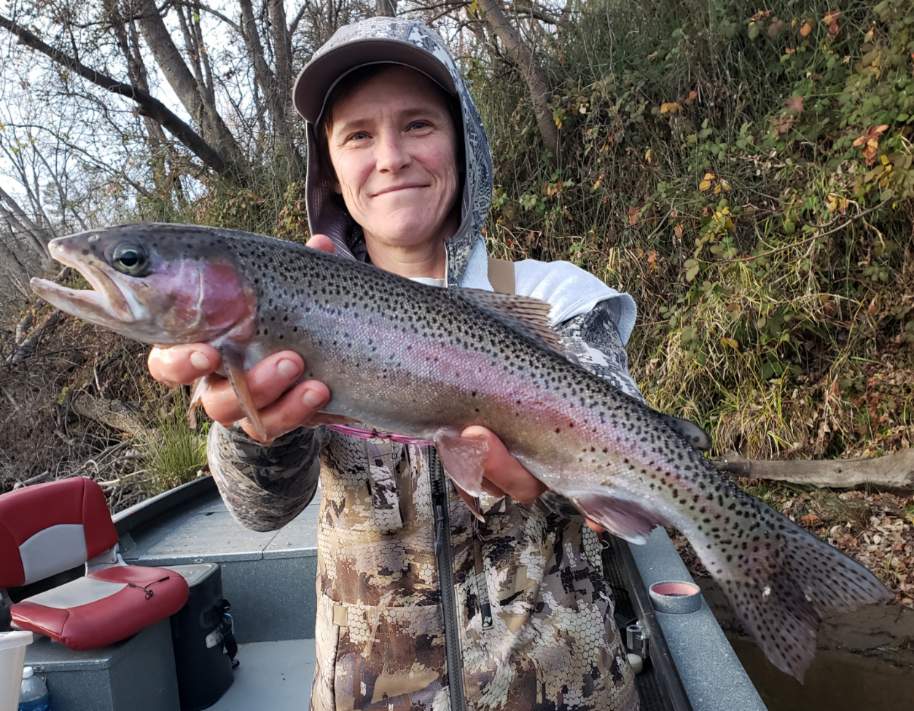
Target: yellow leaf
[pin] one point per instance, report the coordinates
(806, 29)
(704, 185)
(649, 156)
(670, 107)
(730, 343)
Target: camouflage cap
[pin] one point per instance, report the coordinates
(378, 40)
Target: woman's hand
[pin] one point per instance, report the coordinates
(283, 403)
(503, 475)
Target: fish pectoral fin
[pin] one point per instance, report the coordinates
(233, 363)
(463, 459)
(626, 519)
(196, 400)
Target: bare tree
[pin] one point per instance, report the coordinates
(147, 104)
(195, 96)
(525, 60)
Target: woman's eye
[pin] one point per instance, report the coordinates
(357, 136)
(417, 125)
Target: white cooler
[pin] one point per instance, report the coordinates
(12, 655)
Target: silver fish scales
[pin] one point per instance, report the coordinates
(426, 362)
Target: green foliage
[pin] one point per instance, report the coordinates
(173, 453)
(747, 176)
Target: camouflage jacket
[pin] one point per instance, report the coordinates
(420, 606)
(534, 614)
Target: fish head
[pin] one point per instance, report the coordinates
(163, 286)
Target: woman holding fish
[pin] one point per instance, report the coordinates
(420, 603)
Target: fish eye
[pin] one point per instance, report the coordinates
(130, 259)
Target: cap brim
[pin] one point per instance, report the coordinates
(320, 75)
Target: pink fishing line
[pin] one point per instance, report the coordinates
(362, 433)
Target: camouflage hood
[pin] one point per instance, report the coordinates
(326, 213)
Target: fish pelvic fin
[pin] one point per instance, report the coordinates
(782, 581)
(622, 517)
(463, 459)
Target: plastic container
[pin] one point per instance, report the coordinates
(677, 597)
(33, 694)
(12, 655)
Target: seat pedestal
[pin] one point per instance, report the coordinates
(137, 674)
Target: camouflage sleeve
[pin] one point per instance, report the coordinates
(265, 487)
(593, 340)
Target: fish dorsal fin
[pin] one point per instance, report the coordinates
(523, 313)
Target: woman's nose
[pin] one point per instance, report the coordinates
(391, 153)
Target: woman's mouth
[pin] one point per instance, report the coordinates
(399, 188)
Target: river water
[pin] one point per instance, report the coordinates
(836, 681)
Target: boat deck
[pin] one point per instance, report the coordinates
(271, 675)
(269, 580)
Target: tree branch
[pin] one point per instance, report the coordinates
(148, 106)
(891, 471)
(523, 57)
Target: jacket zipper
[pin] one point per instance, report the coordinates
(444, 558)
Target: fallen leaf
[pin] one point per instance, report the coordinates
(782, 124)
(795, 104)
(678, 230)
(706, 182)
(869, 142)
(652, 260)
(806, 29)
(831, 19)
(634, 214)
(670, 107)
(810, 519)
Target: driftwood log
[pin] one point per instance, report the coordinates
(891, 471)
(111, 413)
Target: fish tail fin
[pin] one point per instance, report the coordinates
(781, 581)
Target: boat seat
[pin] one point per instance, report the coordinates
(50, 528)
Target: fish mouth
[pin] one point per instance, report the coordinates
(105, 303)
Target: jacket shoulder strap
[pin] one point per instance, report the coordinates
(501, 275)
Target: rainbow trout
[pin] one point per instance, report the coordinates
(426, 362)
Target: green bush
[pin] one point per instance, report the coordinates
(746, 175)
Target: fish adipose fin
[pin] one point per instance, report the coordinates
(781, 581)
(688, 430)
(623, 518)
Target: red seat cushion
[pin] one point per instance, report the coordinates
(103, 607)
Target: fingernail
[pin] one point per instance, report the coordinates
(199, 361)
(286, 368)
(312, 398)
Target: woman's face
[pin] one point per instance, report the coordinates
(392, 144)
